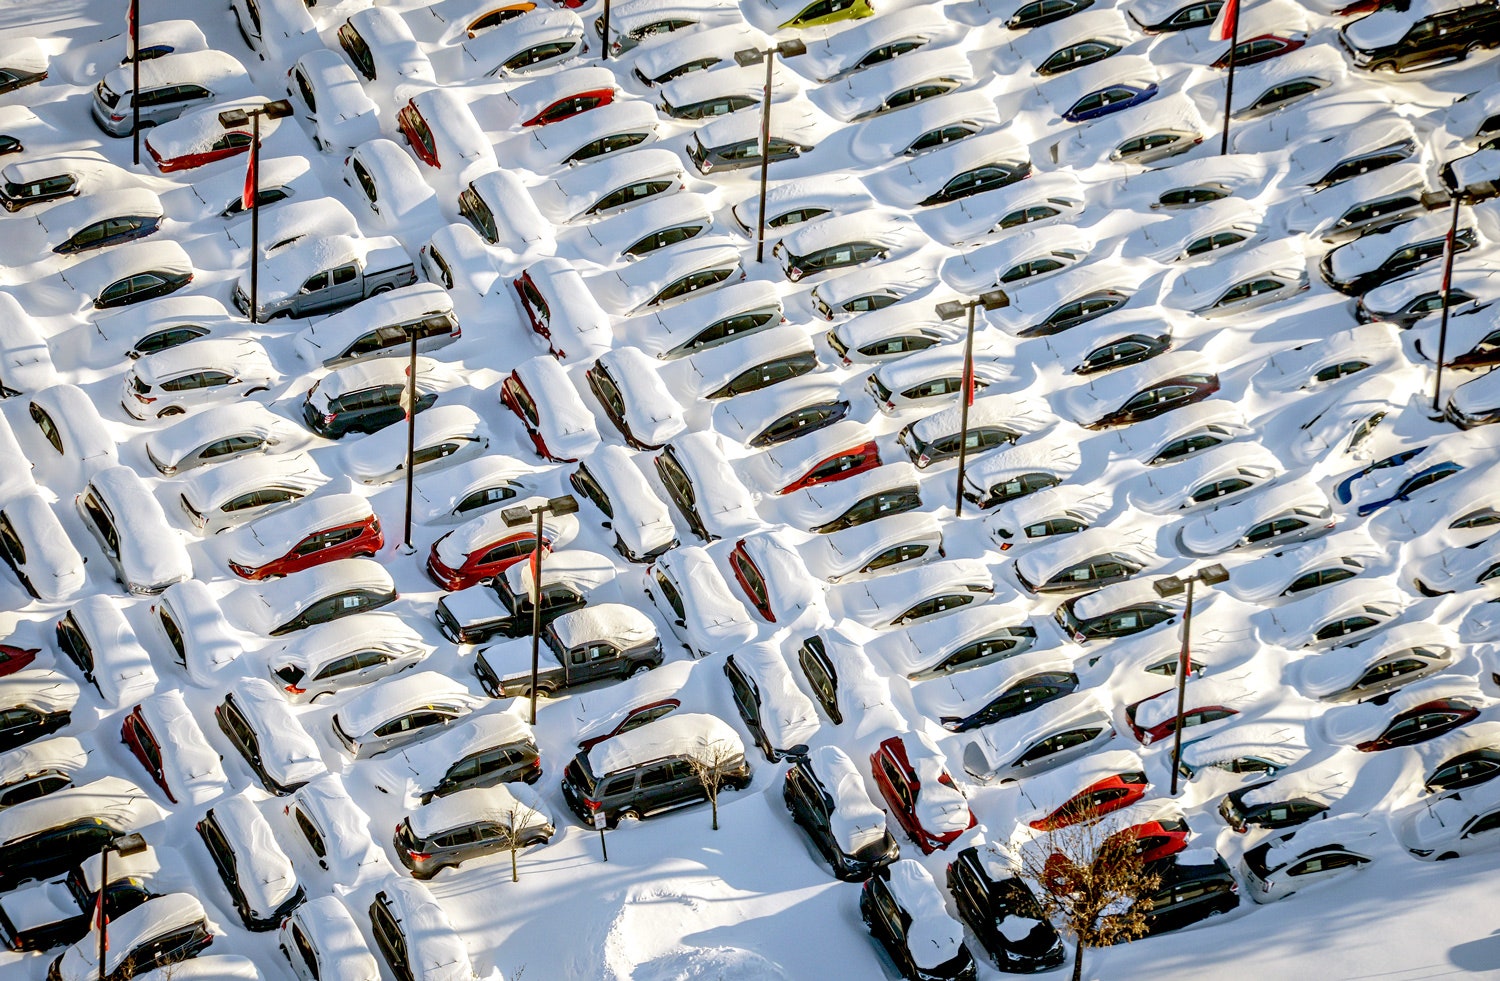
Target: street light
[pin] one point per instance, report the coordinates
(233, 119)
(1474, 185)
(133, 22)
(1209, 575)
(409, 405)
(131, 844)
(754, 56)
(514, 517)
(604, 29)
(952, 310)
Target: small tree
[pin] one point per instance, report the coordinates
(517, 815)
(712, 762)
(1091, 882)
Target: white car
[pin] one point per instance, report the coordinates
(214, 435)
(692, 596)
(968, 638)
(189, 376)
(155, 325)
(329, 93)
(658, 223)
(320, 940)
(1372, 200)
(1053, 198)
(922, 74)
(1017, 258)
(916, 594)
(1147, 134)
(874, 548)
(1208, 476)
(445, 435)
(386, 180)
(190, 621)
(1453, 826)
(226, 495)
(1320, 850)
(1087, 559)
(692, 51)
(357, 650)
(275, 29)
(888, 333)
(1374, 346)
(667, 275)
(131, 528)
(1276, 84)
(1399, 656)
(37, 548)
(1035, 742)
(843, 241)
(1017, 471)
(793, 202)
(752, 361)
(1077, 39)
(455, 257)
(536, 40)
(281, 179)
(1275, 515)
(1290, 572)
(870, 42)
(325, 592)
(471, 488)
(1204, 231)
(604, 131)
(1062, 510)
(292, 222)
(935, 377)
(945, 151)
(399, 711)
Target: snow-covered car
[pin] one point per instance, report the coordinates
(874, 548)
(1475, 402)
(706, 491)
(1034, 742)
(186, 376)
(366, 396)
(638, 21)
(599, 132)
(1373, 200)
(892, 488)
(658, 223)
(1408, 300)
(70, 423)
(159, 324)
(1157, 131)
(1082, 35)
(37, 548)
(190, 620)
(440, 128)
(356, 650)
(213, 435)
(1207, 476)
(692, 51)
(912, 595)
(1453, 826)
(912, 776)
(1370, 346)
(782, 412)
(293, 222)
(327, 942)
(530, 41)
(841, 241)
(927, 126)
(273, 742)
(1332, 617)
(1017, 258)
(732, 142)
(770, 573)
(756, 360)
(1203, 231)
(1247, 747)
(1280, 866)
(562, 309)
(635, 512)
(991, 421)
(1205, 700)
(320, 529)
(473, 823)
(775, 711)
(342, 114)
(892, 332)
(827, 797)
(667, 275)
(706, 320)
(1290, 572)
(971, 637)
(918, 75)
(1087, 559)
(470, 488)
(96, 221)
(692, 595)
(905, 912)
(131, 528)
(560, 426)
(399, 711)
(224, 496)
(1017, 471)
(553, 98)
(168, 87)
(1291, 74)
(381, 326)
(48, 177)
(386, 180)
(380, 44)
(1248, 280)
(37, 701)
(198, 138)
(723, 91)
(599, 642)
(935, 376)
(1052, 198)
(344, 270)
(486, 545)
(1359, 145)
(1400, 655)
(317, 595)
(161, 931)
(794, 201)
(1183, 432)
(894, 33)
(256, 872)
(1061, 510)
(414, 935)
(1119, 610)
(1102, 88)
(445, 435)
(1084, 790)
(832, 453)
(1374, 260)
(974, 699)
(455, 257)
(162, 733)
(1142, 391)
(1276, 515)
(132, 273)
(94, 634)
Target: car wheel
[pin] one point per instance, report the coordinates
(1473, 49)
(639, 668)
(383, 288)
(1446, 856)
(171, 410)
(1384, 66)
(630, 814)
(536, 839)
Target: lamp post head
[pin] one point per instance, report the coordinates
(792, 48)
(566, 504)
(518, 515)
(749, 56)
(952, 309)
(131, 844)
(1169, 586)
(994, 299)
(230, 118)
(277, 109)
(1212, 575)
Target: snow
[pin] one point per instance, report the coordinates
(684, 734)
(191, 766)
(265, 874)
(934, 937)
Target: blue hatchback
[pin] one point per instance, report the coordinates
(1111, 98)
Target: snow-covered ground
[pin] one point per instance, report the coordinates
(677, 901)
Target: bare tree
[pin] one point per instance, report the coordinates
(1090, 881)
(713, 762)
(517, 816)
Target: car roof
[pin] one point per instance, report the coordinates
(679, 734)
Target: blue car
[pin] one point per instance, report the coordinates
(1344, 491)
(1111, 98)
(1412, 484)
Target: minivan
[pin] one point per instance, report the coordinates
(650, 770)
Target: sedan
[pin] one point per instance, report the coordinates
(1417, 725)
(1109, 99)
(986, 177)
(1262, 47)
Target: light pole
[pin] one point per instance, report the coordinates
(514, 517)
(1457, 192)
(250, 198)
(133, 21)
(604, 29)
(952, 310)
(409, 404)
(131, 844)
(754, 56)
(1209, 575)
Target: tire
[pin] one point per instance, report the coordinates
(630, 813)
(383, 288)
(1384, 67)
(1473, 49)
(638, 668)
(171, 410)
(1446, 856)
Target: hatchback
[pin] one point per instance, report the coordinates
(469, 824)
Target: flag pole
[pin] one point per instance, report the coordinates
(968, 400)
(1231, 7)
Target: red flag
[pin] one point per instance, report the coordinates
(247, 197)
(134, 14)
(536, 574)
(1227, 23)
(968, 380)
(101, 919)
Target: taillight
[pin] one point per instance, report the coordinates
(328, 418)
(116, 118)
(592, 805)
(143, 399)
(294, 690)
(923, 460)
(536, 764)
(418, 856)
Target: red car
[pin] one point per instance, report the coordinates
(418, 134)
(173, 155)
(571, 105)
(632, 719)
(480, 551)
(339, 526)
(1417, 725)
(1263, 47)
(1190, 717)
(1098, 798)
(907, 767)
(13, 659)
(136, 734)
(1161, 838)
(846, 463)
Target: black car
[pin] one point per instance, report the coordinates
(1275, 814)
(760, 376)
(1193, 13)
(9, 144)
(1076, 55)
(109, 231)
(1164, 396)
(1405, 256)
(123, 895)
(800, 421)
(1025, 695)
(367, 410)
(741, 154)
(1464, 770)
(987, 896)
(925, 453)
(877, 505)
(977, 180)
(1116, 623)
(239, 861)
(1189, 893)
(1011, 488)
(1090, 306)
(1459, 29)
(24, 718)
(813, 807)
(1122, 351)
(142, 286)
(1040, 12)
(890, 924)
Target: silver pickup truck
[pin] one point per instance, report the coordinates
(321, 275)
